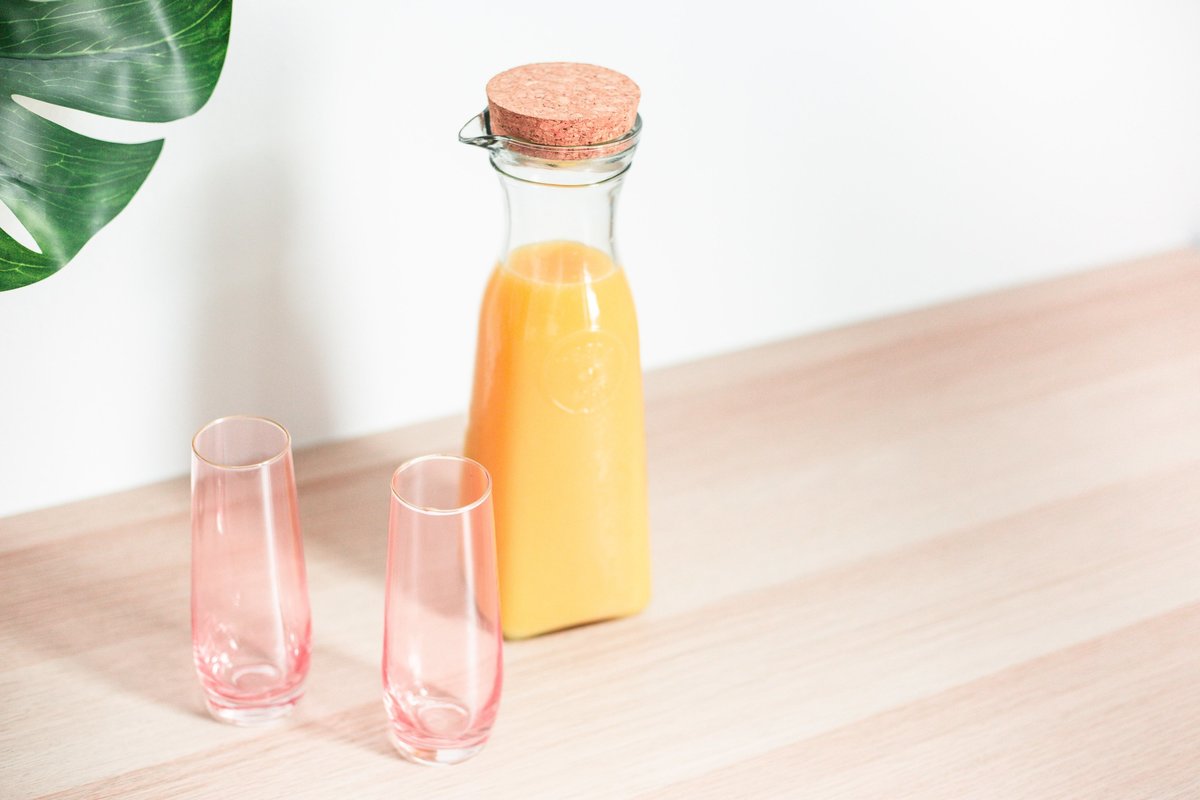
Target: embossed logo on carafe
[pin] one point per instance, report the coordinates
(584, 370)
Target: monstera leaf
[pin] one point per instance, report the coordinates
(142, 60)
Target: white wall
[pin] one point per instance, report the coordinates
(312, 245)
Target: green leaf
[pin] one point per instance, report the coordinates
(141, 60)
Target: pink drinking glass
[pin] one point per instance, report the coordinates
(442, 660)
(251, 629)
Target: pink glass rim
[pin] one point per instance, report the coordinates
(420, 509)
(287, 441)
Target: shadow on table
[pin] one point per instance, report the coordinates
(363, 727)
(117, 609)
(345, 520)
(344, 515)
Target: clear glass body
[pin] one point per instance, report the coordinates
(251, 624)
(556, 414)
(442, 648)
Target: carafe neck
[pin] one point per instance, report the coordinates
(540, 212)
(557, 193)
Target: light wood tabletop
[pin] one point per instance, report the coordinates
(949, 554)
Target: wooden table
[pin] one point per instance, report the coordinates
(948, 554)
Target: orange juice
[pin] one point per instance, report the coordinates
(556, 417)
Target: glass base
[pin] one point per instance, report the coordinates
(434, 756)
(249, 716)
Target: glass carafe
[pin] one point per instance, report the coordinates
(556, 414)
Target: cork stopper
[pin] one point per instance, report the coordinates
(562, 104)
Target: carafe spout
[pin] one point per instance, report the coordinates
(476, 133)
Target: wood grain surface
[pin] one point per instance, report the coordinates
(949, 554)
